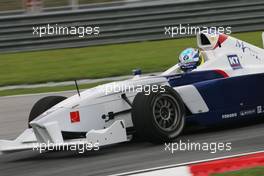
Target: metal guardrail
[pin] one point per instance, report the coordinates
(21, 5)
(129, 23)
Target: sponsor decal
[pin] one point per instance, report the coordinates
(174, 77)
(227, 116)
(234, 61)
(260, 110)
(75, 117)
(247, 49)
(247, 112)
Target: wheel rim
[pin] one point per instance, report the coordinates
(166, 112)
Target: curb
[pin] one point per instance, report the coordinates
(227, 165)
(210, 167)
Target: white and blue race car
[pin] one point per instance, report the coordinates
(228, 87)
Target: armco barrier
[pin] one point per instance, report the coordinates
(131, 23)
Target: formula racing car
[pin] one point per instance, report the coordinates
(228, 87)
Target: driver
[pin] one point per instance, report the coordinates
(190, 59)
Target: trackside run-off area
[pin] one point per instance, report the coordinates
(93, 62)
(99, 61)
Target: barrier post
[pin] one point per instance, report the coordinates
(74, 4)
(33, 6)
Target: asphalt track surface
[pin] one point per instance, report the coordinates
(112, 159)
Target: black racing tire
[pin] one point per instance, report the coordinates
(160, 116)
(43, 105)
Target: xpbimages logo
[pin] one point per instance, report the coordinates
(80, 31)
(80, 147)
(211, 147)
(127, 88)
(174, 31)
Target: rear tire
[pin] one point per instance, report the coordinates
(43, 105)
(160, 116)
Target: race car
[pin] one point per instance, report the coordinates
(227, 88)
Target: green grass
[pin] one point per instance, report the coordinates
(46, 89)
(96, 62)
(257, 171)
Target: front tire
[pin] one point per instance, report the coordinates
(160, 116)
(43, 105)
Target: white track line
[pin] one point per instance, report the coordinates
(36, 94)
